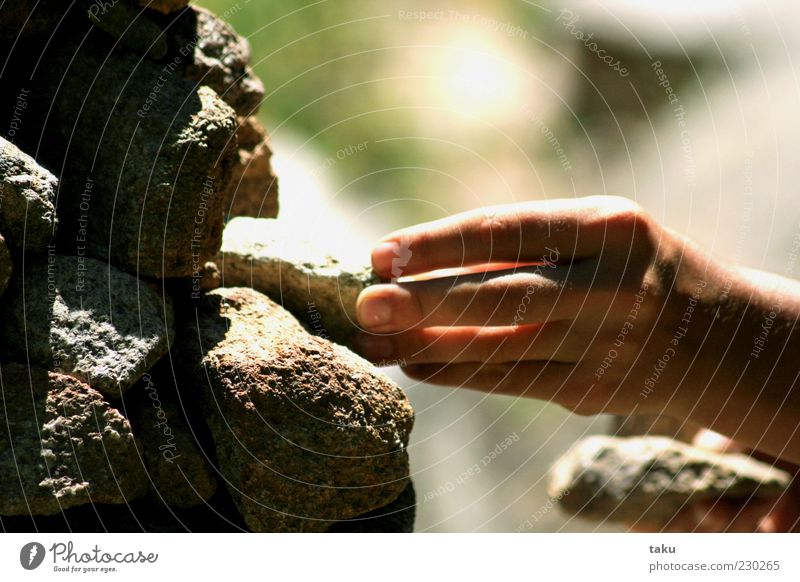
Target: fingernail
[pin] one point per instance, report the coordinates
(383, 255)
(374, 312)
(374, 347)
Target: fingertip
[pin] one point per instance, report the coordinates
(373, 308)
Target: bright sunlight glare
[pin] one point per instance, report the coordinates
(477, 77)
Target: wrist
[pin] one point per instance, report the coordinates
(741, 377)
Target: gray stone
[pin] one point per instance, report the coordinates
(652, 478)
(254, 186)
(62, 445)
(306, 433)
(132, 27)
(221, 59)
(6, 266)
(77, 316)
(160, 152)
(180, 475)
(276, 259)
(27, 195)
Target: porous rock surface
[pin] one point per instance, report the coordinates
(254, 186)
(27, 196)
(652, 478)
(306, 433)
(220, 60)
(62, 445)
(6, 265)
(143, 110)
(81, 317)
(299, 273)
(161, 152)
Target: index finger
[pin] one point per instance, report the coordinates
(534, 232)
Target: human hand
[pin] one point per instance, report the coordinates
(573, 301)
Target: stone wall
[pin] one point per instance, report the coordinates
(139, 392)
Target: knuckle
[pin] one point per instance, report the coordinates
(633, 223)
(632, 231)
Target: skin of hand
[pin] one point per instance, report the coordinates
(754, 515)
(591, 304)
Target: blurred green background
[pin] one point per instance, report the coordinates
(432, 90)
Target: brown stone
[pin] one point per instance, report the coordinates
(306, 432)
(62, 445)
(253, 189)
(148, 161)
(220, 58)
(397, 517)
